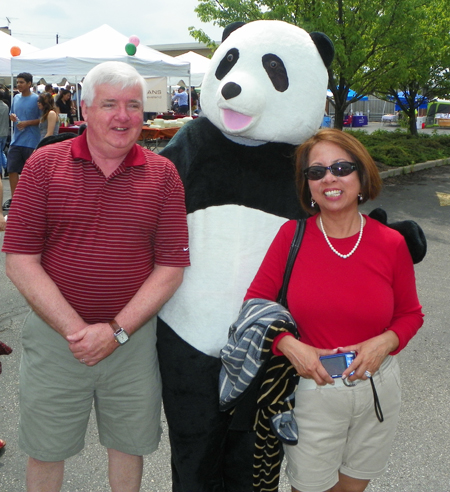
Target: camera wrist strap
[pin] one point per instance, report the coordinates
(376, 401)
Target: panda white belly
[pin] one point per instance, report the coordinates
(227, 244)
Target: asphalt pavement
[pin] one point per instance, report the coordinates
(420, 456)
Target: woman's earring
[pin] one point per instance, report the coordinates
(360, 197)
(313, 203)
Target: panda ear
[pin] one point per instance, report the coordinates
(230, 28)
(324, 46)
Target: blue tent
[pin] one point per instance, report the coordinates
(352, 94)
(402, 98)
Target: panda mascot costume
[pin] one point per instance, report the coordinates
(263, 95)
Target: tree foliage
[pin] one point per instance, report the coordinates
(379, 44)
(425, 71)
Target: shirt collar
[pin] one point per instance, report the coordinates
(80, 150)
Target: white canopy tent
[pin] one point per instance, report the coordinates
(74, 58)
(6, 43)
(199, 66)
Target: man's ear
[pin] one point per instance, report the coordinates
(84, 110)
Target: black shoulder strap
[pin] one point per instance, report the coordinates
(295, 246)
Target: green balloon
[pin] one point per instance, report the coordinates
(130, 48)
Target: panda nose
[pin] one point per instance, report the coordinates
(230, 90)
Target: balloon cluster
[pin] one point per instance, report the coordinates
(15, 51)
(132, 45)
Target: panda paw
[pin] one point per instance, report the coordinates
(410, 230)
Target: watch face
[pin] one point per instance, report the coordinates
(121, 336)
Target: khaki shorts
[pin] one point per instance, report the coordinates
(57, 391)
(339, 431)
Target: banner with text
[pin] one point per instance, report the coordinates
(156, 101)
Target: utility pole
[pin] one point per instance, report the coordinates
(9, 19)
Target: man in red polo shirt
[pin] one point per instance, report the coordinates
(97, 243)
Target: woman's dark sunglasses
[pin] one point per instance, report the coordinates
(337, 169)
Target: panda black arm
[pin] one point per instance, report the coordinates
(410, 230)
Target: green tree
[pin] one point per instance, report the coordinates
(425, 73)
(370, 36)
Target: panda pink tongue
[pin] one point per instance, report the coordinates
(234, 120)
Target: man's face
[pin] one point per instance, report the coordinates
(114, 119)
(23, 85)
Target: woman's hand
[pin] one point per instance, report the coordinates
(370, 354)
(305, 359)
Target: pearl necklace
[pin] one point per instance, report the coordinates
(331, 246)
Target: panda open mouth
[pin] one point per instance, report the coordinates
(234, 120)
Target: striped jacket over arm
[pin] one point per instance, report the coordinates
(248, 362)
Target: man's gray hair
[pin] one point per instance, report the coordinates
(111, 73)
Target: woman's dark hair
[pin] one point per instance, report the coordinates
(368, 174)
(48, 104)
(62, 93)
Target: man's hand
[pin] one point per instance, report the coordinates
(93, 343)
(22, 125)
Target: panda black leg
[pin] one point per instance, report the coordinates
(198, 431)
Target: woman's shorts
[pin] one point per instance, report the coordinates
(339, 430)
(56, 394)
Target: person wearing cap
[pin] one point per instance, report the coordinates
(182, 98)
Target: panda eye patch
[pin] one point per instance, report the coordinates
(276, 71)
(227, 63)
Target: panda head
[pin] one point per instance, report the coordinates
(267, 82)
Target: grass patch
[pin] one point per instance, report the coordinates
(398, 149)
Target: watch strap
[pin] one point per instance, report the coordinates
(114, 325)
(119, 332)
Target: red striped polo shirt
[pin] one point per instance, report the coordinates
(99, 237)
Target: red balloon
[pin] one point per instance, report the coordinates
(15, 51)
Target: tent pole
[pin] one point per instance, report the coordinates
(189, 99)
(12, 97)
(78, 98)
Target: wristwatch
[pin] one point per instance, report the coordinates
(120, 334)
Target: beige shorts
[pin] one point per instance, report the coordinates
(339, 430)
(57, 392)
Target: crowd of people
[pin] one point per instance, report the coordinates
(95, 285)
(34, 116)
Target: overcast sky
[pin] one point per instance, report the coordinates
(154, 21)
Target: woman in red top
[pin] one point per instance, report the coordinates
(352, 288)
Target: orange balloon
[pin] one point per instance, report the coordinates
(15, 51)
